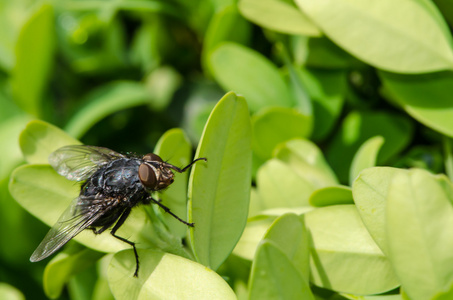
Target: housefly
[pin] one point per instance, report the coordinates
(113, 184)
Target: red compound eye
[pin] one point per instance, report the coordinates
(147, 176)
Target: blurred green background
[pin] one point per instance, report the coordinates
(118, 74)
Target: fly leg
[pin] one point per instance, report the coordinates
(167, 210)
(108, 224)
(118, 224)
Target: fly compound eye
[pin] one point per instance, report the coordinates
(152, 157)
(147, 176)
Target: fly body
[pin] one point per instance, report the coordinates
(112, 184)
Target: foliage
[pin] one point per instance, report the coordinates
(324, 124)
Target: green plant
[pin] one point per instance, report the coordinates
(320, 176)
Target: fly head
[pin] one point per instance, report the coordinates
(154, 173)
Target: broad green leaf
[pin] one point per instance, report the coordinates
(444, 295)
(164, 276)
(11, 17)
(146, 43)
(9, 292)
(320, 53)
(34, 58)
(161, 84)
(276, 212)
(290, 236)
(374, 297)
(257, 227)
(359, 126)
(80, 286)
(365, 157)
(105, 101)
(369, 191)
(226, 25)
(39, 139)
(344, 257)
(275, 125)
(141, 6)
(305, 158)
(256, 203)
(46, 195)
(274, 192)
(249, 73)
(327, 91)
(285, 17)
(252, 235)
(412, 36)
(273, 276)
(174, 148)
(331, 195)
(219, 189)
(9, 131)
(420, 232)
(16, 252)
(59, 270)
(426, 98)
(298, 89)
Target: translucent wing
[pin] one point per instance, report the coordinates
(78, 162)
(78, 216)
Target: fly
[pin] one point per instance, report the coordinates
(113, 184)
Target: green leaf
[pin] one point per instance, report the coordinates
(9, 131)
(369, 191)
(298, 89)
(164, 276)
(105, 101)
(226, 25)
(412, 35)
(359, 126)
(373, 297)
(249, 73)
(290, 236)
(175, 148)
(344, 257)
(10, 292)
(10, 27)
(320, 53)
(276, 212)
(285, 17)
(275, 125)
(39, 139)
(305, 158)
(426, 98)
(161, 85)
(46, 195)
(294, 191)
(327, 91)
(331, 195)
(420, 231)
(252, 235)
(219, 190)
(445, 295)
(63, 266)
(273, 276)
(366, 156)
(31, 71)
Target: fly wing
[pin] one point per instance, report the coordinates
(78, 216)
(78, 162)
